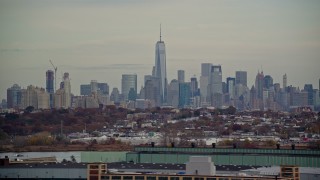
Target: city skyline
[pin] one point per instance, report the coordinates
(272, 38)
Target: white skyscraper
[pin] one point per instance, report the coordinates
(67, 90)
(160, 68)
(62, 97)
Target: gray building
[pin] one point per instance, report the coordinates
(14, 96)
(181, 76)
(173, 93)
(128, 81)
(85, 89)
(161, 68)
(241, 77)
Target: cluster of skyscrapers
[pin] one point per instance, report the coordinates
(211, 90)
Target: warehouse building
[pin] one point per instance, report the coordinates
(223, 156)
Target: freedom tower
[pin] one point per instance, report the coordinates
(160, 68)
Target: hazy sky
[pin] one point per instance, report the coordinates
(100, 39)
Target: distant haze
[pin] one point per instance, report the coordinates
(100, 40)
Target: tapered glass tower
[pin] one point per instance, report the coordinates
(160, 68)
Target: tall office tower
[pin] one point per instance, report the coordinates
(103, 88)
(152, 90)
(284, 80)
(115, 95)
(241, 77)
(161, 69)
(128, 81)
(206, 69)
(173, 93)
(184, 95)
(204, 83)
(49, 86)
(231, 86)
(216, 79)
(299, 98)
(268, 82)
(14, 96)
(194, 87)
(85, 89)
(309, 89)
(67, 90)
(316, 99)
(253, 98)
(284, 100)
(181, 76)
(224, 88)
(259, 85)
(215, 95)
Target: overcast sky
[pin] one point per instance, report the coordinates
(101, 40)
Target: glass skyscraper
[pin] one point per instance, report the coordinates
(128, 81)
(241, 77)
(160, 68)
(14, 96)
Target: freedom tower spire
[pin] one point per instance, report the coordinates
(161, 69)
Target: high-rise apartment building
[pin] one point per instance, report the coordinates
(14, 96)
(62, 97)
(128, 81)
(67, 90)
(34, 96)
(241, 77)
(181, 76)
(160, 68)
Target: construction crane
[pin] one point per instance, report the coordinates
(55, 75)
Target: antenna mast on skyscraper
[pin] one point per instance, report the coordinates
(160, 32)
(55, 75)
